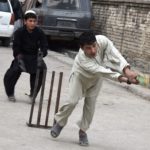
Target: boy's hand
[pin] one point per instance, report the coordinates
(126, 80)
(133, 81)
(122, 79)
(131, 75)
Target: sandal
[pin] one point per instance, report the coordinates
(83, 139)
(55, 130)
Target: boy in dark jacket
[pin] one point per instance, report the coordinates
(27, 42)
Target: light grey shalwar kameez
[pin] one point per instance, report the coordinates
(86, 79)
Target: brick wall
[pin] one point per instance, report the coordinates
(127, 24)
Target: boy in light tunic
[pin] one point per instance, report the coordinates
(97, 58)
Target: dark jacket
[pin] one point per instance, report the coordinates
(27, 45)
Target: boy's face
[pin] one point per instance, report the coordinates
(90, 50)
(30, 23)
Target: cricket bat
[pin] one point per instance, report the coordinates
(143, 79)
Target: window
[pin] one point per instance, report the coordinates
(4, 6)
(64, 4)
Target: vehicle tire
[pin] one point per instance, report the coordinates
(6, 42)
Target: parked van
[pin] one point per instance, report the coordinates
(64, 18)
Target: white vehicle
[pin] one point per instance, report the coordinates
(6, 22)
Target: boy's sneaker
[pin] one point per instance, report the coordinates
(83, 139)
(12, 98)
(55, 130)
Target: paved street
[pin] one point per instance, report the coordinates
(121, 121)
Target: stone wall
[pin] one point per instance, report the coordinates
(127, 24)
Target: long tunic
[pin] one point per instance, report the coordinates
(108, 63)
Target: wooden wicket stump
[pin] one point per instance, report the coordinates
(37, 122)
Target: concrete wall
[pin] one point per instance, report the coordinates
(127, 24)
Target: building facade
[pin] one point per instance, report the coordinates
(127, 24)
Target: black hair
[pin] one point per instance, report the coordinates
(30, 15)
(87, 38)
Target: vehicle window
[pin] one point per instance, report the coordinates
(4, 6)
(64, 4)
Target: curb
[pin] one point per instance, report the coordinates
(138, 90)
(61, 57)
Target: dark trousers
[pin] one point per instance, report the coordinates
(12, 75)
